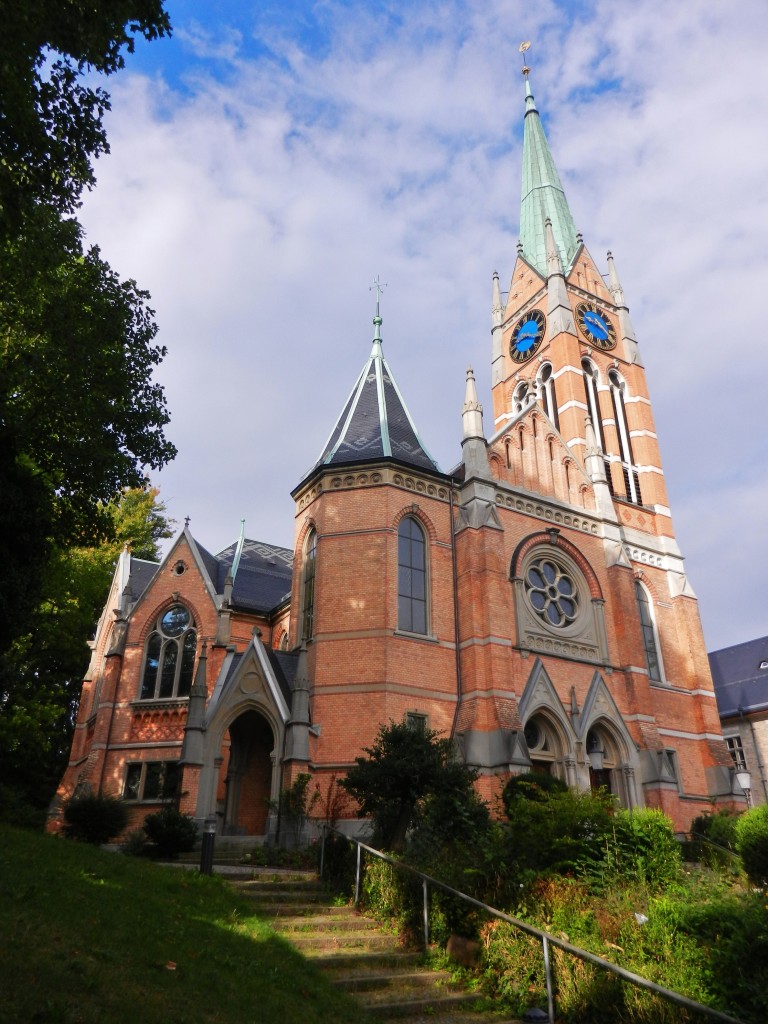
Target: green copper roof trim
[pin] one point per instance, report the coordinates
(542, 196)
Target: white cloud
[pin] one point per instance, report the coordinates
(257, 206)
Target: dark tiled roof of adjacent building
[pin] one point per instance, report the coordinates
(263, 579)
(740, 675)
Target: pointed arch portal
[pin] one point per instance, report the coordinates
(245, 785)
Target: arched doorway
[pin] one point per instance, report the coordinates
(605, 762)
(546, 747)
(246, 776)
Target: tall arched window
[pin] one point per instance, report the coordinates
(650, 635)
(591, 379)
(593, 406)
(631, 477)
(547, 395)
(308, 587)
(411, 577)
(169, 655)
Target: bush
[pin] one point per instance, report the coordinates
(171, 831)
(558, 831)
(644, 847)
(94, 819)
(714, 838)
(752, 843)
(536, 786)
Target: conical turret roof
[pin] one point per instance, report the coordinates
(375, 422)
(543, 196)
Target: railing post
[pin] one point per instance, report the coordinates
(322, 851)
(357, 875)
(426, 913)
(548, 976)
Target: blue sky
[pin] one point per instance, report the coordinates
(270, 160)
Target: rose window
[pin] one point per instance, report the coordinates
(552, 593)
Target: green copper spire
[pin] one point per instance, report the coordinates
(542, 195)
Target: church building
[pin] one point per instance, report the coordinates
(531, 603)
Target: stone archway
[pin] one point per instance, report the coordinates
(245, 785)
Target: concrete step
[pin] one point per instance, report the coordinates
(359, 955)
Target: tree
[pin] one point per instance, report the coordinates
(80, 416)
(41, 673)
(404, 769)
(51, 113)
(80, 413)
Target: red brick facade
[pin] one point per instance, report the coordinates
(558, 621)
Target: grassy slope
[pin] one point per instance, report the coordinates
(88, 936)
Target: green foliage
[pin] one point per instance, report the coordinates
(537, 786)
(94, 819)
(404, 770)
(50, 111)
(643, 847)
(293, 807)
(558, 831)
(714, 839)
(752, 843)
(171, 831)
(42, 671)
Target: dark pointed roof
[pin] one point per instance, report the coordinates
(375, 422)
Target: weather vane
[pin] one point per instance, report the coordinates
(379, 289)
(523, 48)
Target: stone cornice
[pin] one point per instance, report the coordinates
(373, 475)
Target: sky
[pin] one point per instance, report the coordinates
(271, 159)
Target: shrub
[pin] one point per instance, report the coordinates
(536, 786)
(559, 831)
(714, 838)
(752, 843)
(405, 768)
(94, 819)
(171, 831)
(644, 847)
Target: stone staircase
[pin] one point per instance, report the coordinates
(358, 954)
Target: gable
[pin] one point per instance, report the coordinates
(530, 453)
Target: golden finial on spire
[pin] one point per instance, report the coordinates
(522, 49)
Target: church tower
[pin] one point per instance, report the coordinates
(372, 598)
(581, 648)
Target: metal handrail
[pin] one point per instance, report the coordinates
(546, 938)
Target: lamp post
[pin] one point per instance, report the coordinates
(744, 779)
(206, 850)
(595, 753)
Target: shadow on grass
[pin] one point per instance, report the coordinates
(89, 937)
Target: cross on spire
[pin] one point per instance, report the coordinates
(379, 289)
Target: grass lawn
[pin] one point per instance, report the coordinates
(88, 937)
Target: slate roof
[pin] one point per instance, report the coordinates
(375, 422)
(740, 682)
(263, 579)
(142, 574)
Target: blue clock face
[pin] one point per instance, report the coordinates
(527, 336)
(595, 326)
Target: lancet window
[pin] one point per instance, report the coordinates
(411, 577)
(169, 655)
